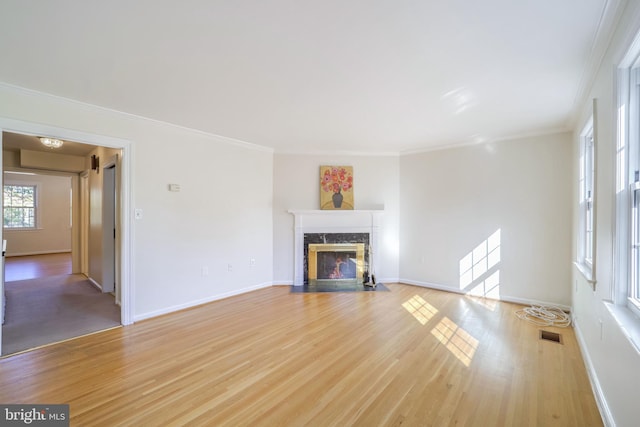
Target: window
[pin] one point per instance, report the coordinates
(627, 236)
(586, 235)
(634, 186)
(19, 206)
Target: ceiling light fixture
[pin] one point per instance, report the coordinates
(51, 142)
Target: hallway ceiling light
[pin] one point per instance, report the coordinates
(51, 142)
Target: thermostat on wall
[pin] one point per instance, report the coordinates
(174, 187)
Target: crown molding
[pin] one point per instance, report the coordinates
(607, 24)
(98, 109)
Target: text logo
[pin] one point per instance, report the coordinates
(34, 415)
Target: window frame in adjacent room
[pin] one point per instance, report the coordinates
(27, 205)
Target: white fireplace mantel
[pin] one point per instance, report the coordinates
(330, 221)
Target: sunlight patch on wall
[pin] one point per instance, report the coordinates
(479, 275)
(490, 287)
(420, 309)
(458, 341)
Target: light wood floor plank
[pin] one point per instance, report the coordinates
(412, 357)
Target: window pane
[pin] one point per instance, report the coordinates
(19, 206)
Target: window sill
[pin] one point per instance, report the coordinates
(586, 272)
(628, 322)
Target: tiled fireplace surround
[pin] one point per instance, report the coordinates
(334, 225)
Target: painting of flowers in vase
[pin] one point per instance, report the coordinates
(336, 187)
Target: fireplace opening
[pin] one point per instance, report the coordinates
(336, 261)
(336, 265)
(340, 257)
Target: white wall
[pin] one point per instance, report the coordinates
(610, 357)
(296, 181)
(452, 201)
(53, 232)
(222, 215)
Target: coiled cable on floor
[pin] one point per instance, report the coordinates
(545, 315)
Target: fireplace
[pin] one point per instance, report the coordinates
(336, 261)
(348, 252)
(335, 245)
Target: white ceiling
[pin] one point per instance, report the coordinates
(375, 76)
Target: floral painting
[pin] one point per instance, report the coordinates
(336, 187)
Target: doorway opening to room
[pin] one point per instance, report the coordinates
(63, 265)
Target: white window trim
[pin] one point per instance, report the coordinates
(633, 138)
(38, 213)
(587, 178)
(625, 311)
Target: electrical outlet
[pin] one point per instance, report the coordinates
(229, 268)
(205, 271)
(252, 262)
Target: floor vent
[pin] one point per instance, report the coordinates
(550, 336)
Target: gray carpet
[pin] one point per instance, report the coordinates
(46, 310)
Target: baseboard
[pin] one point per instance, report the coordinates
(282, 283)
(386, 280)
(190, 304)
(506, 298)
(94, 283)
(605, 412)
(430, 285)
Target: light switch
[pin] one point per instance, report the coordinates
(174, 187)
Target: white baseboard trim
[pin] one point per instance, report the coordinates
(605, 412)
(195, 303)
(385, 280)
(506, 298)
(282, 283)
(94, 283)
(430, 285)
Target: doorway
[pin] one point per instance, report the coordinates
(81, 236)
(46, 303)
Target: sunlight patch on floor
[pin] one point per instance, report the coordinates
(420, 309)
(458, 341)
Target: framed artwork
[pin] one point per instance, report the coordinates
(336, 187)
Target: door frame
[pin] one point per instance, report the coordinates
(83, 193)
(125, 246)
(109, 225)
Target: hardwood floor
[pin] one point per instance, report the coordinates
(412, 356)
(36, 266)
